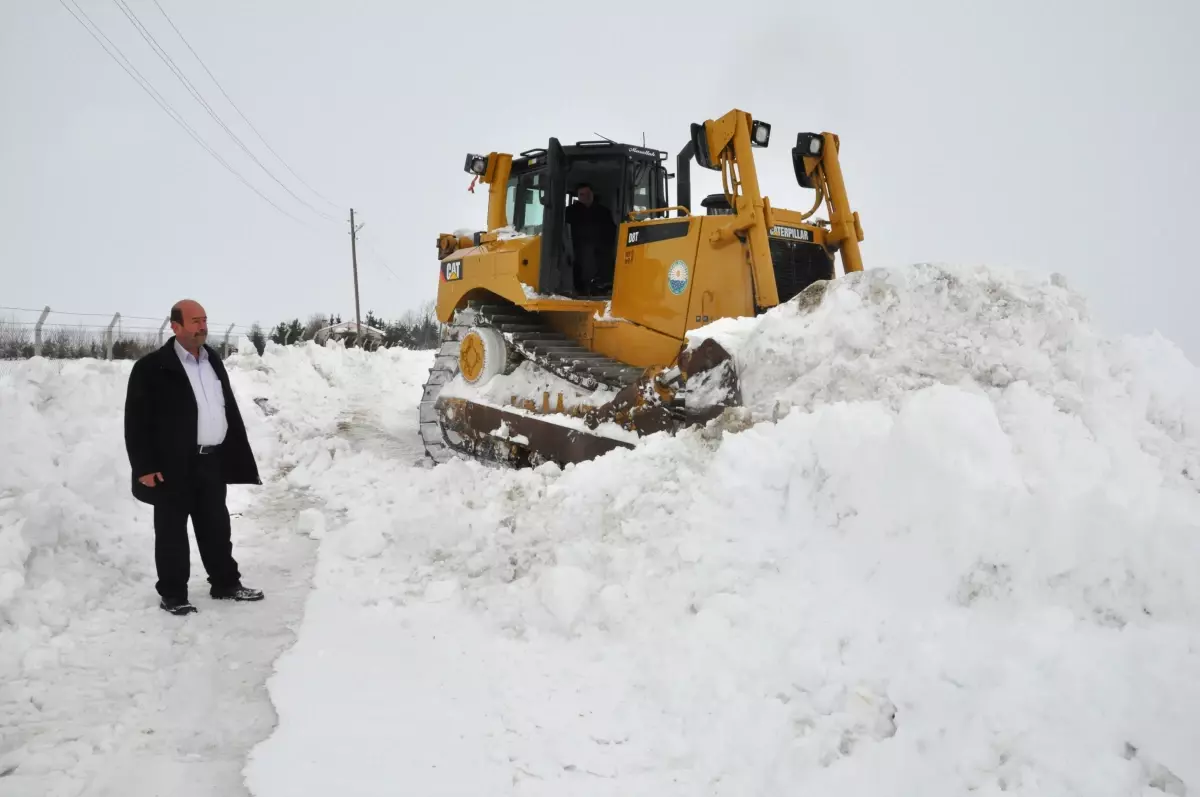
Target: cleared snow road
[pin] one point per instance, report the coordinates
(144, 704)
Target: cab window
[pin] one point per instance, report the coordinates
(639, 186)
(523, 202)
(644, 188)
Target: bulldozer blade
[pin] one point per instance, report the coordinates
(643, 407)
(710, 381)
(528, 439)
(699, 390)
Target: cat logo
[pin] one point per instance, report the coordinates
(633, 237)
(794, 233)
(452, 271)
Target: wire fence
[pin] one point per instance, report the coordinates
(62, 334)
(47, 332)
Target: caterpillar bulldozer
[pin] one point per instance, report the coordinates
(566, 321)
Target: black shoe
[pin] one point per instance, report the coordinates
(176, 606)
(237, 594)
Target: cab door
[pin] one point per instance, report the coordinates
(553, 250)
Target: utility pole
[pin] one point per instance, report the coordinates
(354, 259)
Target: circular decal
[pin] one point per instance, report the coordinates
(677, 277)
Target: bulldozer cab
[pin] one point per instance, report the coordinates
(576, 197)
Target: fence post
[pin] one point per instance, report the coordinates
(225, 348)
(37, 332)
(108, 336)
(160, 330)
(287, 333)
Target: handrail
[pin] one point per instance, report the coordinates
(680, 208)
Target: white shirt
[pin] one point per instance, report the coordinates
(211, 423)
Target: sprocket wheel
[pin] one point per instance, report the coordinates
(482, 354)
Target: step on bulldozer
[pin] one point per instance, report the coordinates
(566, 322)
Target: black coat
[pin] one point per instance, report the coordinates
(160, 426)
(591, 226)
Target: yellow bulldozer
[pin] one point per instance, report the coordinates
(567, 320)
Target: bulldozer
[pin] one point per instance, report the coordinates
(566, 321)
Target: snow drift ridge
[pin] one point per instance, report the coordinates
(885, 333)
(956, 551)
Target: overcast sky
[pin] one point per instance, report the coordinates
(1050, 136)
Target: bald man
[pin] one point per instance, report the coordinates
(186, 441)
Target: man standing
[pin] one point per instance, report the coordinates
(186, 442)
(594, 235)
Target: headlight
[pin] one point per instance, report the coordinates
(810, 143)
(476, 164)
(760, 134)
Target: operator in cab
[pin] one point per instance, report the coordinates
(594, 239)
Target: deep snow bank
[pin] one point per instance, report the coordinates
(964, 559)
(70, 532)
(95, 682)
(885, 333)
(100, 692)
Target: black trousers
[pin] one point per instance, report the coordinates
(203, 500)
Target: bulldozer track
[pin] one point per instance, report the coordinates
(529, 338)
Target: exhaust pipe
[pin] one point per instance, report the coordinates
(683, 173)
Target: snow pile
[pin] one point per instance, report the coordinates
(99, 690)
(957, 553)
(49, 492)
(884, 333)
(70, 531)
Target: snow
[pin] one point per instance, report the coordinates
(525, 381)
(532, 294)
(100, 692)
(503, 432)
(608, 316)
(950, 547)
(510, 233)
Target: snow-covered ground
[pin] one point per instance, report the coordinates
(100, 692)
(951, 547)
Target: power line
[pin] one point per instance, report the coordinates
(381, 261)
(137, 76)
(163, 56)
(236, 108)
(96, 315)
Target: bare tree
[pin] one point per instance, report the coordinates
(316, 322)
